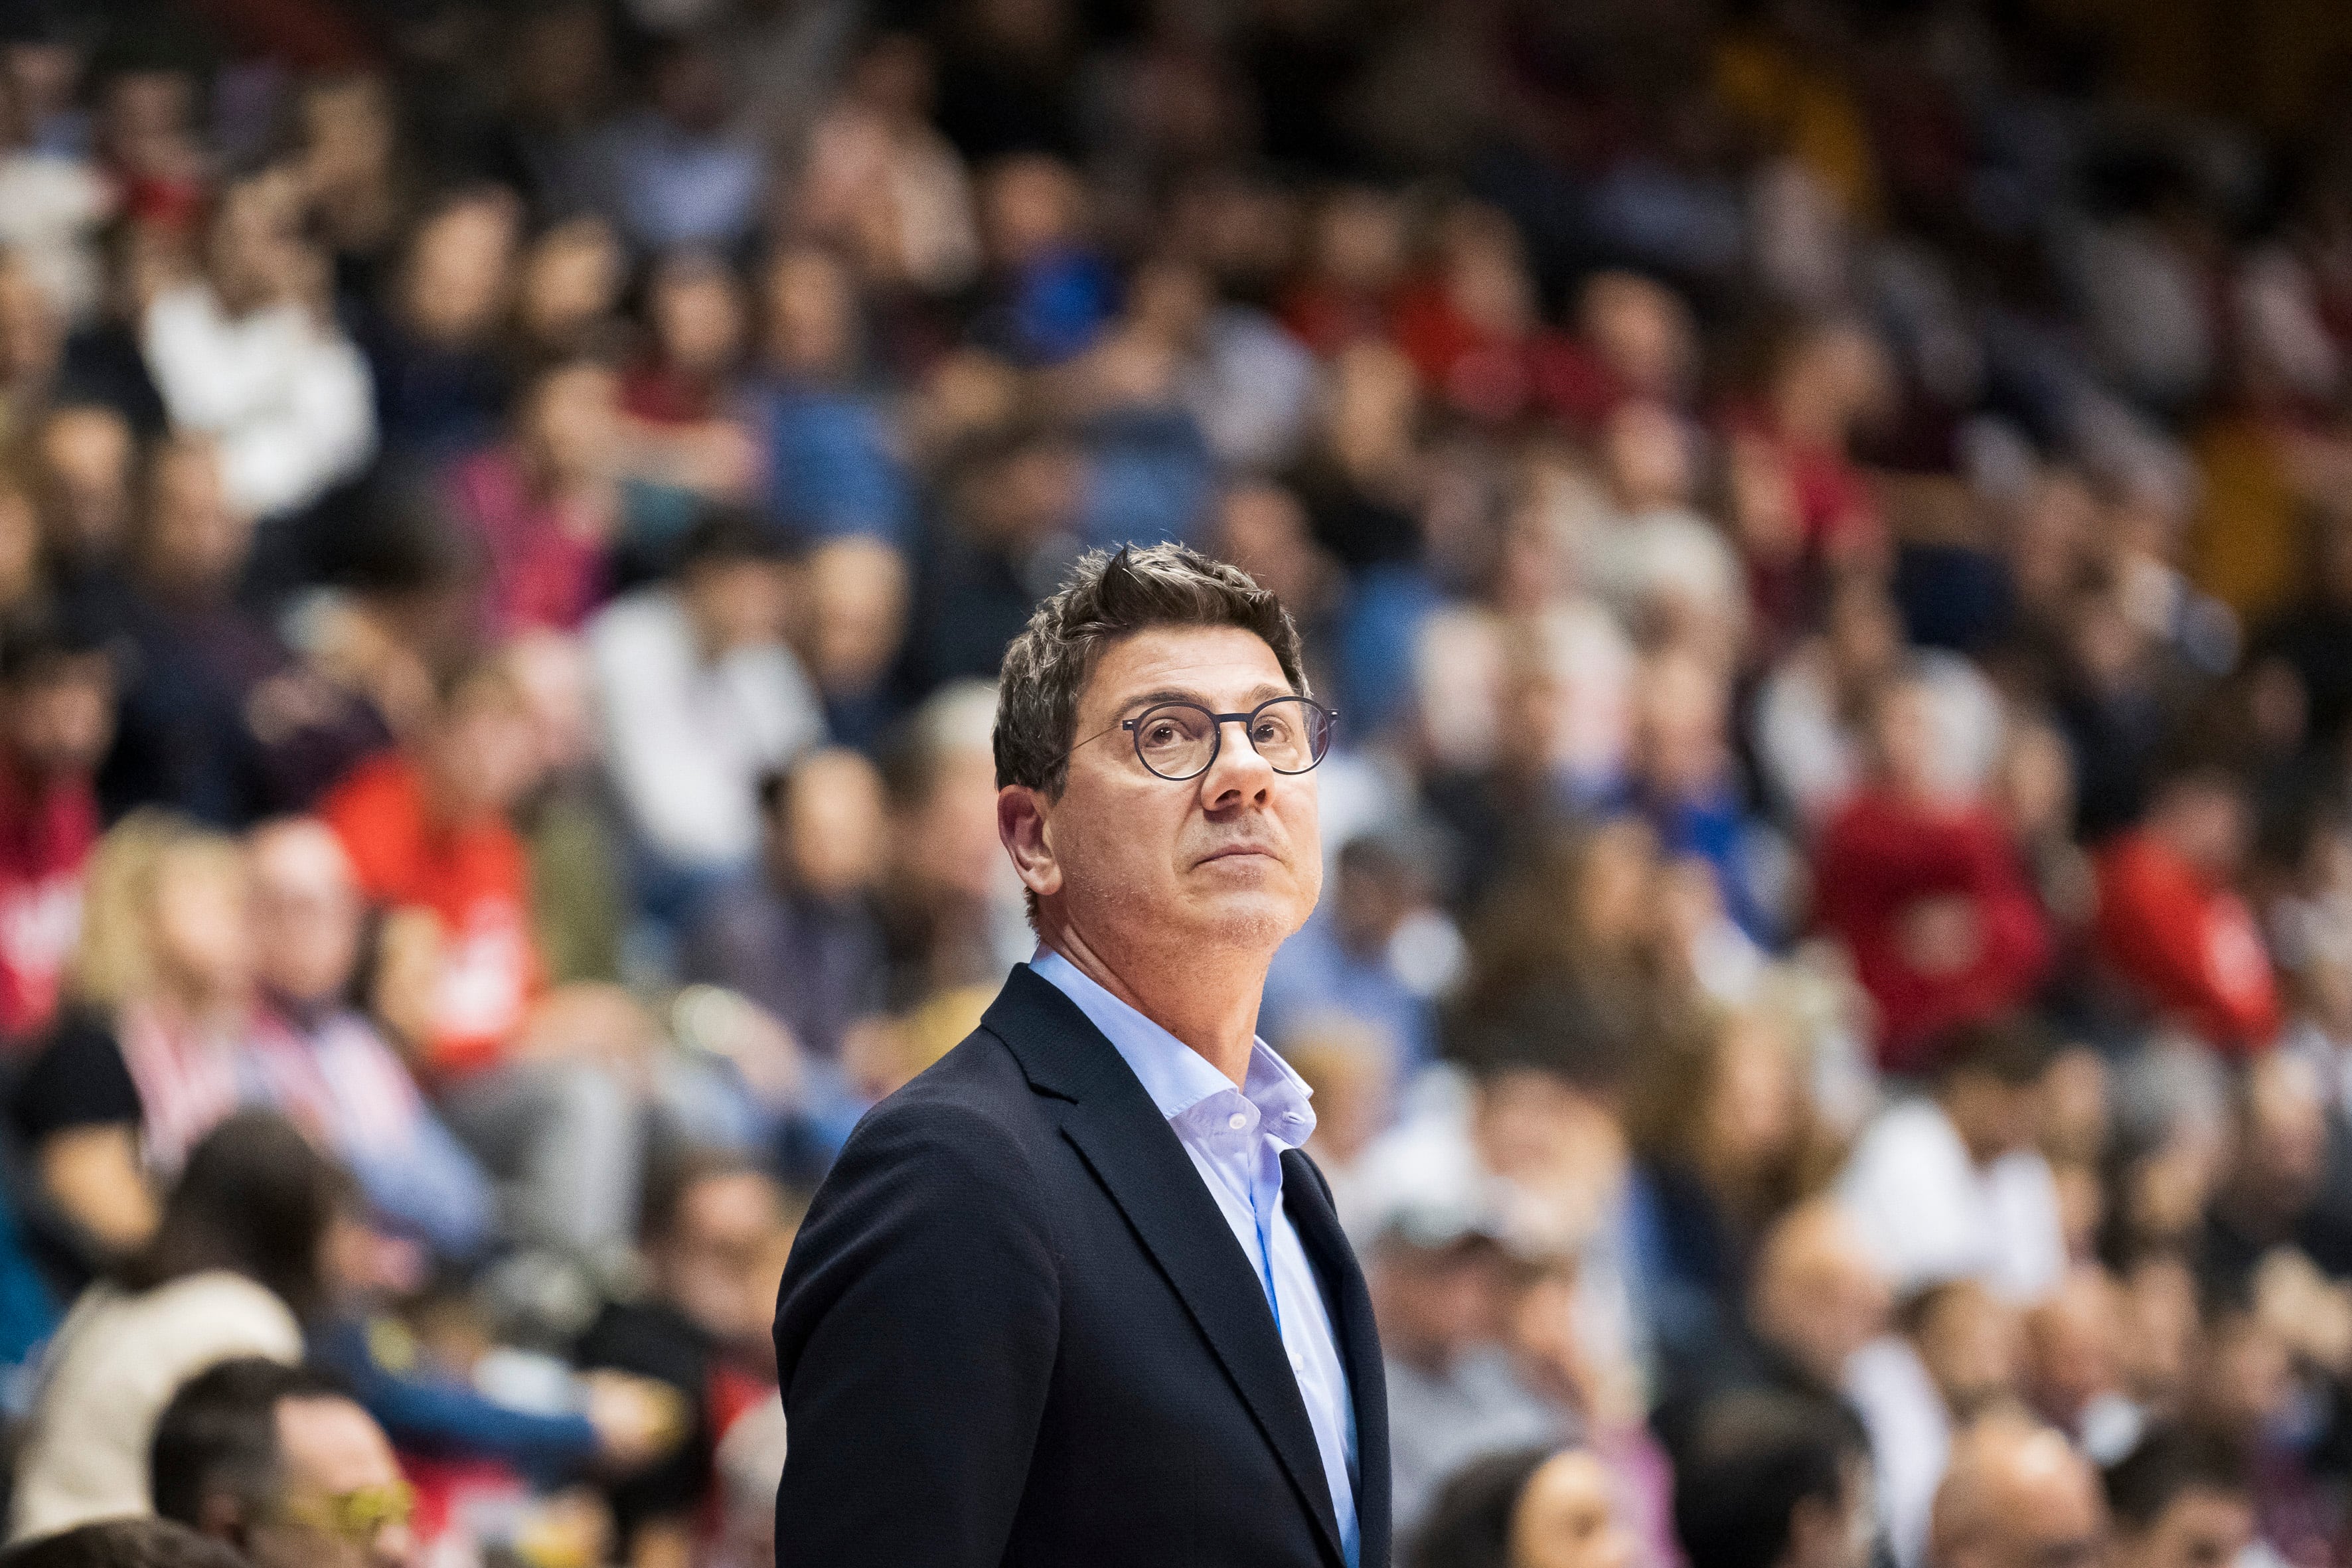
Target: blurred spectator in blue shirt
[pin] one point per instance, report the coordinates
(833, 469)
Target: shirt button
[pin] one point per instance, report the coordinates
(1298, 1363)
(1237, 1121)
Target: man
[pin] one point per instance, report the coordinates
(2182, 1498)
(1437, 1270)
(123, 1543)
(277, 1462)
(1073, 1296)
(714, 1236)
(2016, 1496)
(1816, 1300)
(1948, 1184)
(701, 697)
(1774, 1480)
(326, 1065)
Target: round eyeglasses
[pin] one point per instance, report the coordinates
(1178, 741)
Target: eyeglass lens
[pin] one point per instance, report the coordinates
(1178, 741)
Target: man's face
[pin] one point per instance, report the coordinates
(340, 1480)
(1143, 865)
(59, 722)
(307, 913)
(2199, 1528)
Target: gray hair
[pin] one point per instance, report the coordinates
(1109, 596)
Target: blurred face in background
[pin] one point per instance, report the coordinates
(2200, 1527)
(832, 835)
(696, 311)
(812, 315)
(1567, 1517)
(1967, 1339)
(57, 720)
(484, 753)
(195, 540)
(461, 266)
(334, 1460)
(571, 281)
(571, 423)
(254, 253)
(857, 613)
(200, 914)
(83, 453)
(713, 1266)
(307, 911)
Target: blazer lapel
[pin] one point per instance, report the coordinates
(1136, 1155)
(1308, 1203)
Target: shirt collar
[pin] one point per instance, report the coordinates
(1174, 1074)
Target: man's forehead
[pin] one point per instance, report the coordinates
(1221, 663)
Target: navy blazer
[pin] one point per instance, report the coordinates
(1016, 1328)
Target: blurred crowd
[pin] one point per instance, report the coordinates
(1826, 523)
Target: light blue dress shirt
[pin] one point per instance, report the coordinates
(1236, 1138)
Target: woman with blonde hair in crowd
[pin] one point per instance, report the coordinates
(155, 1046)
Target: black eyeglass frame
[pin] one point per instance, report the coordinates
(1217, 723)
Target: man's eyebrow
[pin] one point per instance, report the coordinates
(1257, 694)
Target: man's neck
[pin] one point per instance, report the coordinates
(1211, 1005)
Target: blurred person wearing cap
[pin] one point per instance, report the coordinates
(1949, 1185)
(1436, 1267)
(1087, 1239)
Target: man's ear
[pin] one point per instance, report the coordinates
(221, 1516)
(1021, 823)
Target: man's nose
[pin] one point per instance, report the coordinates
(1238, 772)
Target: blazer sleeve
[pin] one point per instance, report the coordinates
(915, 1343)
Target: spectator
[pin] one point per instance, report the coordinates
(1380, 953)
(699, 697)
(800, 936)
(2171, 926)
(56, 702)
(1776, 1482)
(440, 384)
(832, 468)
(152, 1053)
(279, 1463)
(426, 829)
(1679, 780)
(543, 508)
(1817, 1299)
(679, 172)
(326, 1065)
(2180, 1498)
(1537, 1508)
(243, 1256)
(218, 721)
(1437, 1279)
(2015, 1495)
(1925, 888)
(715, 1235)
(1949, 1186)
(245, 355)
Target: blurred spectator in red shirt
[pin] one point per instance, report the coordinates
(56, 714)
(2172, 925)
(1635, 339)
(1927, 888)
